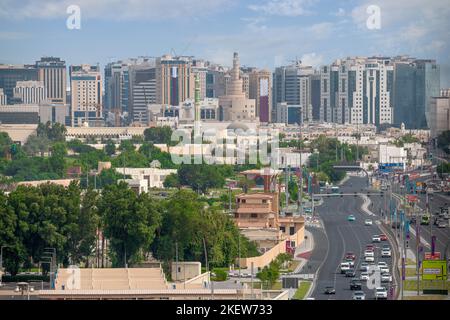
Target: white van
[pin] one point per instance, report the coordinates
(345, 266)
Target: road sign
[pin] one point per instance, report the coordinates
(435, 256)
(434, 270)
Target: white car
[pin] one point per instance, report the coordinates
(386, 253)
(368, 222)
(376, 238)
(345, 266)
(364, 267)
(384, 269)
(381, 293)
(364, 276)
(382, 264)
(369, 259)
(368, 253)
(386, 277)
(359, 295)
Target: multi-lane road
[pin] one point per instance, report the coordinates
(345, 236)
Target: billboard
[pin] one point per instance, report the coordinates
(435, 256)
(434, 270)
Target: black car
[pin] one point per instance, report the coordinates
(355, 285)
(350, 273)
(330, 290)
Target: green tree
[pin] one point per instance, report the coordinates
(157, 135)
(37, 145)
(110, 148)
(172, 181)
(5, 144)
(129, 222)
(57, 159)
(201, 177)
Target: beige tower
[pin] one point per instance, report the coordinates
(235, 106)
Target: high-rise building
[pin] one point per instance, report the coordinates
(30, 92)
(415, 83)
(52, 72)
(86, 95)
(260, 89)
(215, 81)
(357, 90)
(439, 117)
(200, 70)
(2, 98)
(289, 114)
(10, 74)
(174, 80)
(143, 91)
(235, 106)
(315, 96)
(119, 87)
(292, 84)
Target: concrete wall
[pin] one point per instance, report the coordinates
(266, 258)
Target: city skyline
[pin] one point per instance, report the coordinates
(267, 34)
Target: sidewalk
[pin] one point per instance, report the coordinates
(303, 251)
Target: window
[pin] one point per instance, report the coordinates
(253, 215)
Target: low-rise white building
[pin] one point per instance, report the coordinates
(153, 176)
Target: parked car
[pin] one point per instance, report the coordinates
(359, 295)
(369, 259)
(383, 237)
(442, 224)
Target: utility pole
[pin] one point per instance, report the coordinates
(417, 246)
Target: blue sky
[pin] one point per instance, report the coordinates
(266, 33)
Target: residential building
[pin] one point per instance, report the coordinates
(30, 92)
(86, 95)
(52, 72)
(357, 90)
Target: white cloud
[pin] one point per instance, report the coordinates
(112, 9)
(290, 8)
